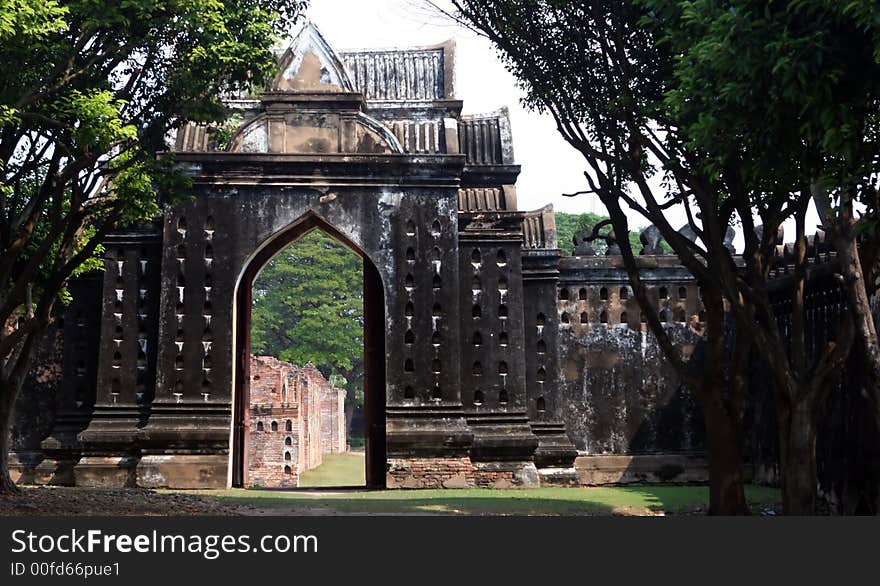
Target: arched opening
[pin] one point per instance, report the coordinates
(373, 347)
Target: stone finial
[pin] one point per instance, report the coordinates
(650, 238)
(729, 235)
(688, 232)
(780, 234)
(613, 246)
(582, 246)
(821, 242)
(811, 245)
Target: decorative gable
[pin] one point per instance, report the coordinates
(310, 65)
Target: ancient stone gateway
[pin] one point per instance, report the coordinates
(371, 148)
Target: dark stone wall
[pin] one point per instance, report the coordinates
(491, 300)
(36, 404)
(420, 285)
(617, 393)
(60, 388)
(620, 396)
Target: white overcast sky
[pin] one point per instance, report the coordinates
(550, 166)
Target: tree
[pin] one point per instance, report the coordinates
(308, 306)
(625, 83)
(88, 92)
(783, 99)
(602, 76)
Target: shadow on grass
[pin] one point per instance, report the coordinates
(452, 505)
(640, 500)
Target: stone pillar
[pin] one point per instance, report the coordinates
(555, 454)
(427, 436)
(80, 334)
(186, 440)
(126, 359)
(492, 342)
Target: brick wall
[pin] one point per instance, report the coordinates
(295, 417)
(333, 438)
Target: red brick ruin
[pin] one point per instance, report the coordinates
(296, 417)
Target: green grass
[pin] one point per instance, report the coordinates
(346, 469)
(541, 501)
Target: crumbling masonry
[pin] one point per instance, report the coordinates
(296, 417)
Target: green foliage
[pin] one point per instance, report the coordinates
(787, 93)
(224, 131)
(88, 93)
(309, 307)
(30, 20)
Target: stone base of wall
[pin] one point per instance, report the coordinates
(506, 474)
(106, 472)
(648, 468)
(32, 468)
(183, 471)
(558, 477)
(171, 471)
(430, 473)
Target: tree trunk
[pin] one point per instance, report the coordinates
(8, 392)
(855, 284)
(798, 459)
(726, 491)
(722, 418)
(863, 317)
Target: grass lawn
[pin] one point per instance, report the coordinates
(635, 500)
(346, 469)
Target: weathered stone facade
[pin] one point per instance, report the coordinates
(295, 416)
(491, 359)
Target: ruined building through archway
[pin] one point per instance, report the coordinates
(309, 407)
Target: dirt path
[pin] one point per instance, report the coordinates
(45, 501)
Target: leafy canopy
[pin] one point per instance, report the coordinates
(308, 306)
(786, 93)
(88, 93)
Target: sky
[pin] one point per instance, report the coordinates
(550, 167)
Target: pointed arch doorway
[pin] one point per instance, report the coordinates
(374, 351)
